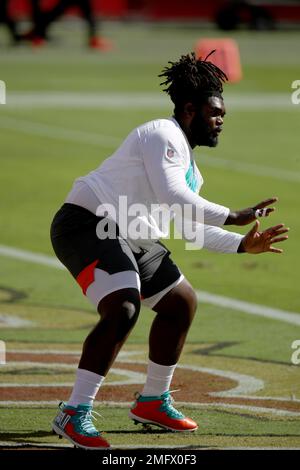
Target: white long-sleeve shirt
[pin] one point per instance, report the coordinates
(154, 171)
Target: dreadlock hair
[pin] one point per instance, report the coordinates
(192, 79)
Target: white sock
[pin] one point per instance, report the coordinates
(85, 388)
(158, 379)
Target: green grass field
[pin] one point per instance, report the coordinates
(48, 137)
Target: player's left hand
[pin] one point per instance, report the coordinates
(261, 242)
(246, 216)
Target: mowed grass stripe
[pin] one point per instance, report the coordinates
(29, 127)
(216, 427)
(206, 297)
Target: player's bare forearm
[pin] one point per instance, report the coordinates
(248, 215)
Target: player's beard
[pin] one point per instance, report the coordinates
(201, 132)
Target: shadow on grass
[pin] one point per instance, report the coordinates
(12, 436)
(138, 431)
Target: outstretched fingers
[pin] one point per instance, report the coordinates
(276, 230)
(275, 250)
(279, 239)
(266, 203)
(284, 230)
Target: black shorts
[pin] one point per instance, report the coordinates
(104, 266)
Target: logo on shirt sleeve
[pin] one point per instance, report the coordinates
(170, 153)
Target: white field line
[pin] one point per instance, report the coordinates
(254, 409)
(205, 297)
(12, 321)
(132, 100)
(189, 405)
(46, 351)
(57, 132)
(122, 354)
(130, 377)
(110, 142)
(108, 100)
(246, 384)
(249, 308)
(31, 257)
(290, 398)
(249, 168)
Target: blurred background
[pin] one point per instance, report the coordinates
(78, 84)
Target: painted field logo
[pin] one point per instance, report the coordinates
(296, 355)
(2, 353)
(2, 92)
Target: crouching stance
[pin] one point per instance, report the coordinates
(153, 166)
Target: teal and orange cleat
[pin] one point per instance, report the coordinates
(75, 424)
(160, 411)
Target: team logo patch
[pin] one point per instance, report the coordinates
(170, 153)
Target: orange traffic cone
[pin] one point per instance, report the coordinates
(226, 57)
